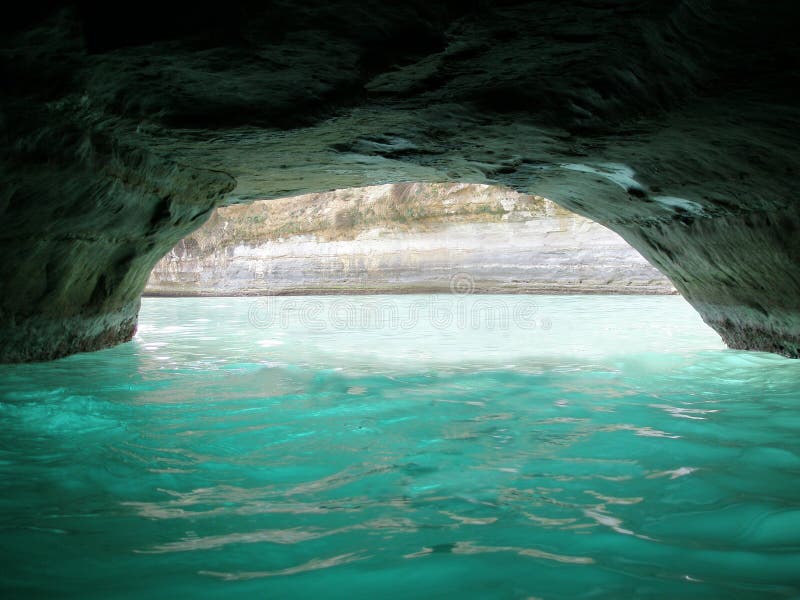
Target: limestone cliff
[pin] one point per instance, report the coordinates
(403, 238)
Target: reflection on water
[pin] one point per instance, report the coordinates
(612, 448)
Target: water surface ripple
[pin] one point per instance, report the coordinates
(558, 447)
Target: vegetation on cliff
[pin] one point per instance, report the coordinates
(344, 214)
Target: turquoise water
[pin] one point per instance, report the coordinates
(404, 447)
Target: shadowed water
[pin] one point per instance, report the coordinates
(404, 447)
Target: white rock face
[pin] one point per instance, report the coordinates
(545, 250)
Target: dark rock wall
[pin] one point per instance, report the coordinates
(674, 123)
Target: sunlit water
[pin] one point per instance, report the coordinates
(404, 447)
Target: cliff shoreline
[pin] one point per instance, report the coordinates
(403, 239)
(565, 291)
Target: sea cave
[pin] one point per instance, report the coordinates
(484, 299)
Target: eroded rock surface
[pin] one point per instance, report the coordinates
(673, 122)
(403, 238)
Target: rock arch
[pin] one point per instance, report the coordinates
(673, 122)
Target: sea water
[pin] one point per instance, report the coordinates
(404, 447)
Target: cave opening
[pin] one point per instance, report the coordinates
(471, 274)
(472, 419)
(418, 261)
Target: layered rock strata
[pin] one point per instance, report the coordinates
(403, 238)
